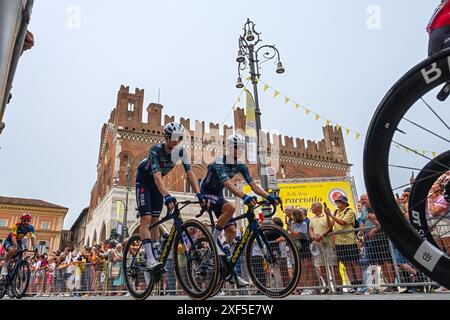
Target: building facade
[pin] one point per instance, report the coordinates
(78, 230)
(47, 219)
(125, 141)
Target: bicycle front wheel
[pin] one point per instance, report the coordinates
(408, 131)
(273, 266)
(21, 279)
(138, 279)
(196, 260)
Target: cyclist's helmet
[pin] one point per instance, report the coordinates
(174, 131)
(25, 216)
(236, 141)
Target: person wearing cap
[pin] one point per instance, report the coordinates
(346, 246)
(319, 227)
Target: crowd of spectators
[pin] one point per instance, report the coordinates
(330, 239)
(94, 271)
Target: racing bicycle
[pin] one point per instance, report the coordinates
(195, 258)
(271, 257)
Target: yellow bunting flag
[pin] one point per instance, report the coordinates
(347, 130)
(307, 111)
(266, 87)
(357, 135)
(415, 151)
(407, 150)
(286, 100)
(338, 127)
(317, 116)
(275, 94)
(434, 154)
(424, 152)
(297, 106)
(328, 122)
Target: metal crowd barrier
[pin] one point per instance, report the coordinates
(372, 265)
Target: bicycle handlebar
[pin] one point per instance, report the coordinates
(259, 204)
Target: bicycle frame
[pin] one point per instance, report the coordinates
(252, 228)
(175, 215)
(18, 257)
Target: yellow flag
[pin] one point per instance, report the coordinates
(328, 122)
(307, 111)
(357, 135)
(338, 127)
(286, 100)
(424, 152)
(266, 87)
(415, 151)
(317, 116)
(347, 130)
(407, 150)
(250, 125)
(297, 106)
(275, 94)
(434, 153)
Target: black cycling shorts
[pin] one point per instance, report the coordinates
(439, 40)
(149, 199)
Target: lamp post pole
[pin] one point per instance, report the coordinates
(248, 57)
(128, 179)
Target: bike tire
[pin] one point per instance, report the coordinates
(127, 272)
(18, 279)
(188, 283)
(384, 124)
(292, 282)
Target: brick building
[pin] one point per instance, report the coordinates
(126, 140)
(47, 219)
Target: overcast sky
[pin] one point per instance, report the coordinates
(341, 57)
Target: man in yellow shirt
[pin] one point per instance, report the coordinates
(319, 227)
(346, 246)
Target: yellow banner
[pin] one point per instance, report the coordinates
(303, 195)
(120, 210)
(250, 125)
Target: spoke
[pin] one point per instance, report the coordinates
(426, 199)
(425, 129)
(435, 113)
(419, 180)
(435, 224)
(412, 168)
(421, 155)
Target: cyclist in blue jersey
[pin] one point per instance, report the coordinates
(13, 242)
(219, 176)
(151, 191)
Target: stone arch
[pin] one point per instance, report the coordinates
(102, 237)
(124, 157)
(94, 238)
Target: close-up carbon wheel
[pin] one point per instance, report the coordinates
(406, 154)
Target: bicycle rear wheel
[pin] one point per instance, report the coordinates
(138, 280)
(21, 279)
(410, 120)
(196, 262)
(268, 266)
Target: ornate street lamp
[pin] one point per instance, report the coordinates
(248, 56)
